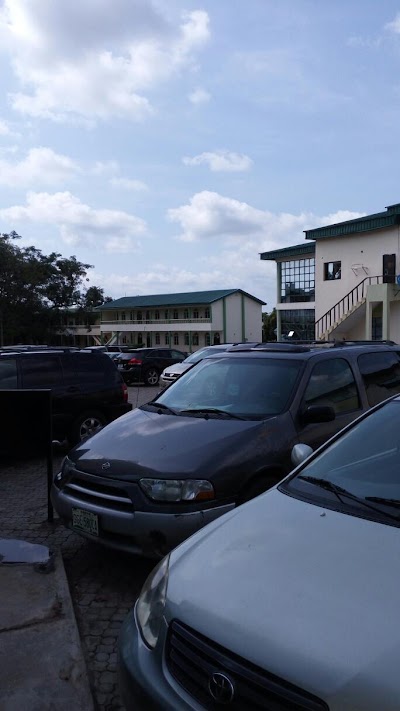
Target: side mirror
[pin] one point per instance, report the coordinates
(318, 413)
(300, 452)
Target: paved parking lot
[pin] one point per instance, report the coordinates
(104, 585)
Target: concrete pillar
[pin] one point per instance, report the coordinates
(368, 320)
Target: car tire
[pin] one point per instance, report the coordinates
(257, 487)
(85, 425)
(151, 376)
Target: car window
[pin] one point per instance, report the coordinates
(364, 461)
(332, 383)
(381, 375)
(8, 373)
(247, 387)
(43, 371)
(87, 368)
(177, 355)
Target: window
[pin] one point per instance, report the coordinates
(176, 313)
(158, 340)
(166, 313)
(208, 339)
(195, 314)
(176, 339)
(301, 321)
(207, 313)
(8, 374)
(186, 314)
(147, 315)
(131, 316)
(156, 315)
(167, 339)
(381, 375)
(332, 270)
(186, 339)
(139, 316)
(123, 315)
(297, 280)
(195, 339)
(43, 371)
(332, 383)
(85, 369)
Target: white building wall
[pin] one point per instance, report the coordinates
(360, 256)
(243, 319)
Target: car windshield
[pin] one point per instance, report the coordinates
(244, 387)
(364, 463)
(199, 355)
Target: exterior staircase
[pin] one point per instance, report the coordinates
(348, 305)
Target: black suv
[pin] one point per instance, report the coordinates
(87, 390)
(146, 364)
(219, 435)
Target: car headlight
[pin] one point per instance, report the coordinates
(151, 603)
(178, 489)
(66, 468)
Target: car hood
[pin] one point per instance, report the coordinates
(307, 593)
(143, 443)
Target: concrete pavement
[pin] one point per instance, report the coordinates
(42, 667)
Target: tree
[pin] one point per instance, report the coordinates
(269, 326)
(34, 287)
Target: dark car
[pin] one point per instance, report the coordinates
(146, 364)
(87, 390)
(217, 437)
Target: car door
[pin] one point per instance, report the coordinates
(331, 382)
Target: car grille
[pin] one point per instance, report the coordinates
(93, 492)
(193, 660)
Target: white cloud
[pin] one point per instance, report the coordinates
(394, 26)
(79, 224)
(4, 128)
(42, 166)
(220, 161)
(199, 96)
(212, 216)
(95, 60)
(128, 184)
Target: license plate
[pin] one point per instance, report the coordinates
(85, 521)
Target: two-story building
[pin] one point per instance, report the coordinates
(187, 321)
(343, 282)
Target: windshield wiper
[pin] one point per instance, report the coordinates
(211, 411)
(381, 500)
(160, 406)
(341, 492)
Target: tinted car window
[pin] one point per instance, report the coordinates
(91, 369)
(42, 372)
(364, 461)
(8, 373)
(381, 375)
(332, 383)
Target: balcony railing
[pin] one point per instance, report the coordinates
(156, 321)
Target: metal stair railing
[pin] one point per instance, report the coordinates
(342, 308)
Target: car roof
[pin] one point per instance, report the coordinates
(291, 351)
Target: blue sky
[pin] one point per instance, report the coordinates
(169, 142)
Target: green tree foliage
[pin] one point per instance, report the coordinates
(34, 287)
(269, 326)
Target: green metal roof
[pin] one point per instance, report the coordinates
(182, 299)
(298, 250)
(377, 221)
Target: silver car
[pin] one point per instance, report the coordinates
(290, 601)
(173, 372)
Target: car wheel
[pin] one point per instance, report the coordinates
(257, 487)
(151, 376)
(85, 425)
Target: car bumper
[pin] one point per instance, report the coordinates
(144, 681)
(146, 533)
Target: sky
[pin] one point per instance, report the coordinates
(168, 143)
